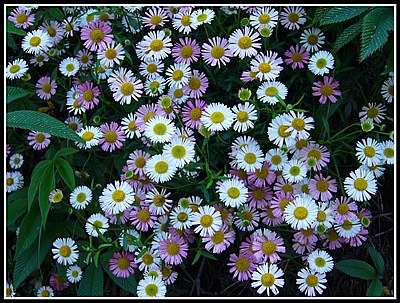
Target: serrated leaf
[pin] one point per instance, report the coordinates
(66, 172)
(375, 288)
(128, 284)
(47, 184)
(376, 25)
(320, 13)
(65, 151)
(56, 13)
(38, 121)
(347, 35)
(377, 259)
(356, 268)
(91, 284)
(14, 93)
(29, 230)
(12, 29)
(35, 180)
(342, 13)
(15, 210)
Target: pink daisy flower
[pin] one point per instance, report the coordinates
(186, 51)
(226, 215)
(321, 188)
(326, 90)
(240, 173)
(192, 112)
(187, 234)
(216, 52)
(21, 17)
(280, 201)
(242, 266)
(267, 245)
(137, 161)
(173, 249)
(262, 176)
(283, 185)
(88, 94)
(259, 196)
(58, 283)
(144, 113)
(269, 219)
(248, 219)
(85, 58)
(319, 152)
(220, 241)
(96, 35)
(246, 246)
(156, 16)
(304, 236)
(38, 139)
(344, 209)
(297, 56)
(113, 136)
(142, 218)
(46, 88)
(197, 85)
(332, 240)
(120, 218)
(248, 76)
(358, 239)
(123, 264)
(303, 249)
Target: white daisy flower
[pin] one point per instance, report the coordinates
(91, 135)
(69, 66)
(277, 158)
(36, 42)
(241, 142)
(159, 129)
(266, 65)
(112, 54)
(324, 216)
(320, 261)
(360, 185)
(74, 123)
(73, 105)
(249, 158)
(179, 152)
(16, 161)
(178, 75)
(151, 68)
(128, 125)
(14, 181)
(181, 218)
(244, 42)
(201, 16)
(39, 59)
(312, 39)
(65, 251)
(301, 212)
(217, 117)
(151, 287)
(267, 90)
(80, 197)
(294, 170)
(128, 239)
(310, 281)
(369, 152)
(263, 16)
(45, 291)
(299, 124)
(116, 197)
(278, 132)
(292, 17)
(16, 69)
(125, 86)
(349, 228)
(182, 22)
(150, 260)
(321, 62)
(9, 290)
(232, 192)
(158, 202)
(387, 90)
(208, 220)
(74, 274)
(154, 86)
(155, 45)
(267, 277)
(95, 224)
(159, 169)
(245, 115)
(388, 151)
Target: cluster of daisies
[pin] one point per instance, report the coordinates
(287, 183)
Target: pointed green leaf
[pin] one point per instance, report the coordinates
(348, 35)
(92, 281)
(38, 121)
(56, 13)
(377, 259)
(320, 13)
(66, 172)
(15, 93)
(65, 151)
(47, 184)
(15, 210)
(29, 230)
(12, 29)
(342, 13)
(375, 288)
(356, 268)
(197, 256)
(35, 180)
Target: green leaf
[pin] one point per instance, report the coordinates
(356, 268)
(66, 172)
(12, 29)
(348, 35)
(14, 93)
(29, 230)
(197, 256)
(47, 184)
(375, 288)
(91, 284)
(35, 180)
(15, 210)
(65, 151)
(31, 257)
(320, 13)
(376, 25)
(38, 121)
(128, 284)
(377, 259)
(342, 13)
(56, 13)
(208, 255)
(11, 42)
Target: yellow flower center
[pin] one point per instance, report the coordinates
(369, 151)
(250, 158)
(186, 51)
(156, 45)
(144, 215)
(194, 83)
(104, 17)
(264, 19)
(182, 217)
(284, 203)
(151, 68)
(132, 126)
(258, 194)
(242, 116)
(147, 259)
(65, 251)
(88, 95)
(140, 162)
(159, 200)
(326, 90)
(293, 17)
(195, 114)
(10, 181)
(360, 184)
(151, 290)
(322, 185)
(46, 88)
(312, 39)
(276, 159)
(45, 293)
(388, 152)
(297, 57)
(81, 197)
(314, 153)
(87, 136)
(267, 280)
(147, 117)
(161, 167)
(177, 75)
(390, 90)
(320, 262)
(217, 52)
(271, 90)
(264, 67)
(155, 20)
(247, 215)
(298, 124)
(35, 41)
(347, 225)
(294, 170)
(118, 195)
(202, 17)
(312, 280)
(307, 232)
(217, 117)
(268, 247)
(321, 63)
(206, 221)
(178, 93)
(185, 21)
(300, 213)
(173, 249)
(15, 68)
(242, 264)
(110, 54)
(127, 88)
(123, 263)
(321, 216)
(218, 237)
(160, 129)
(21, 18)
(287, 188)
(233, 192)
(178, 151)
(51, 31)
(97, 35)
(75, 274)
(39, 138)
(110, 136)
(244, 42)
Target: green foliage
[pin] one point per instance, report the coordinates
(92, 282)
(12, 29)
(66, 172)
(342, 13)
(17, 205)
(14, 93)
(38, 121)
